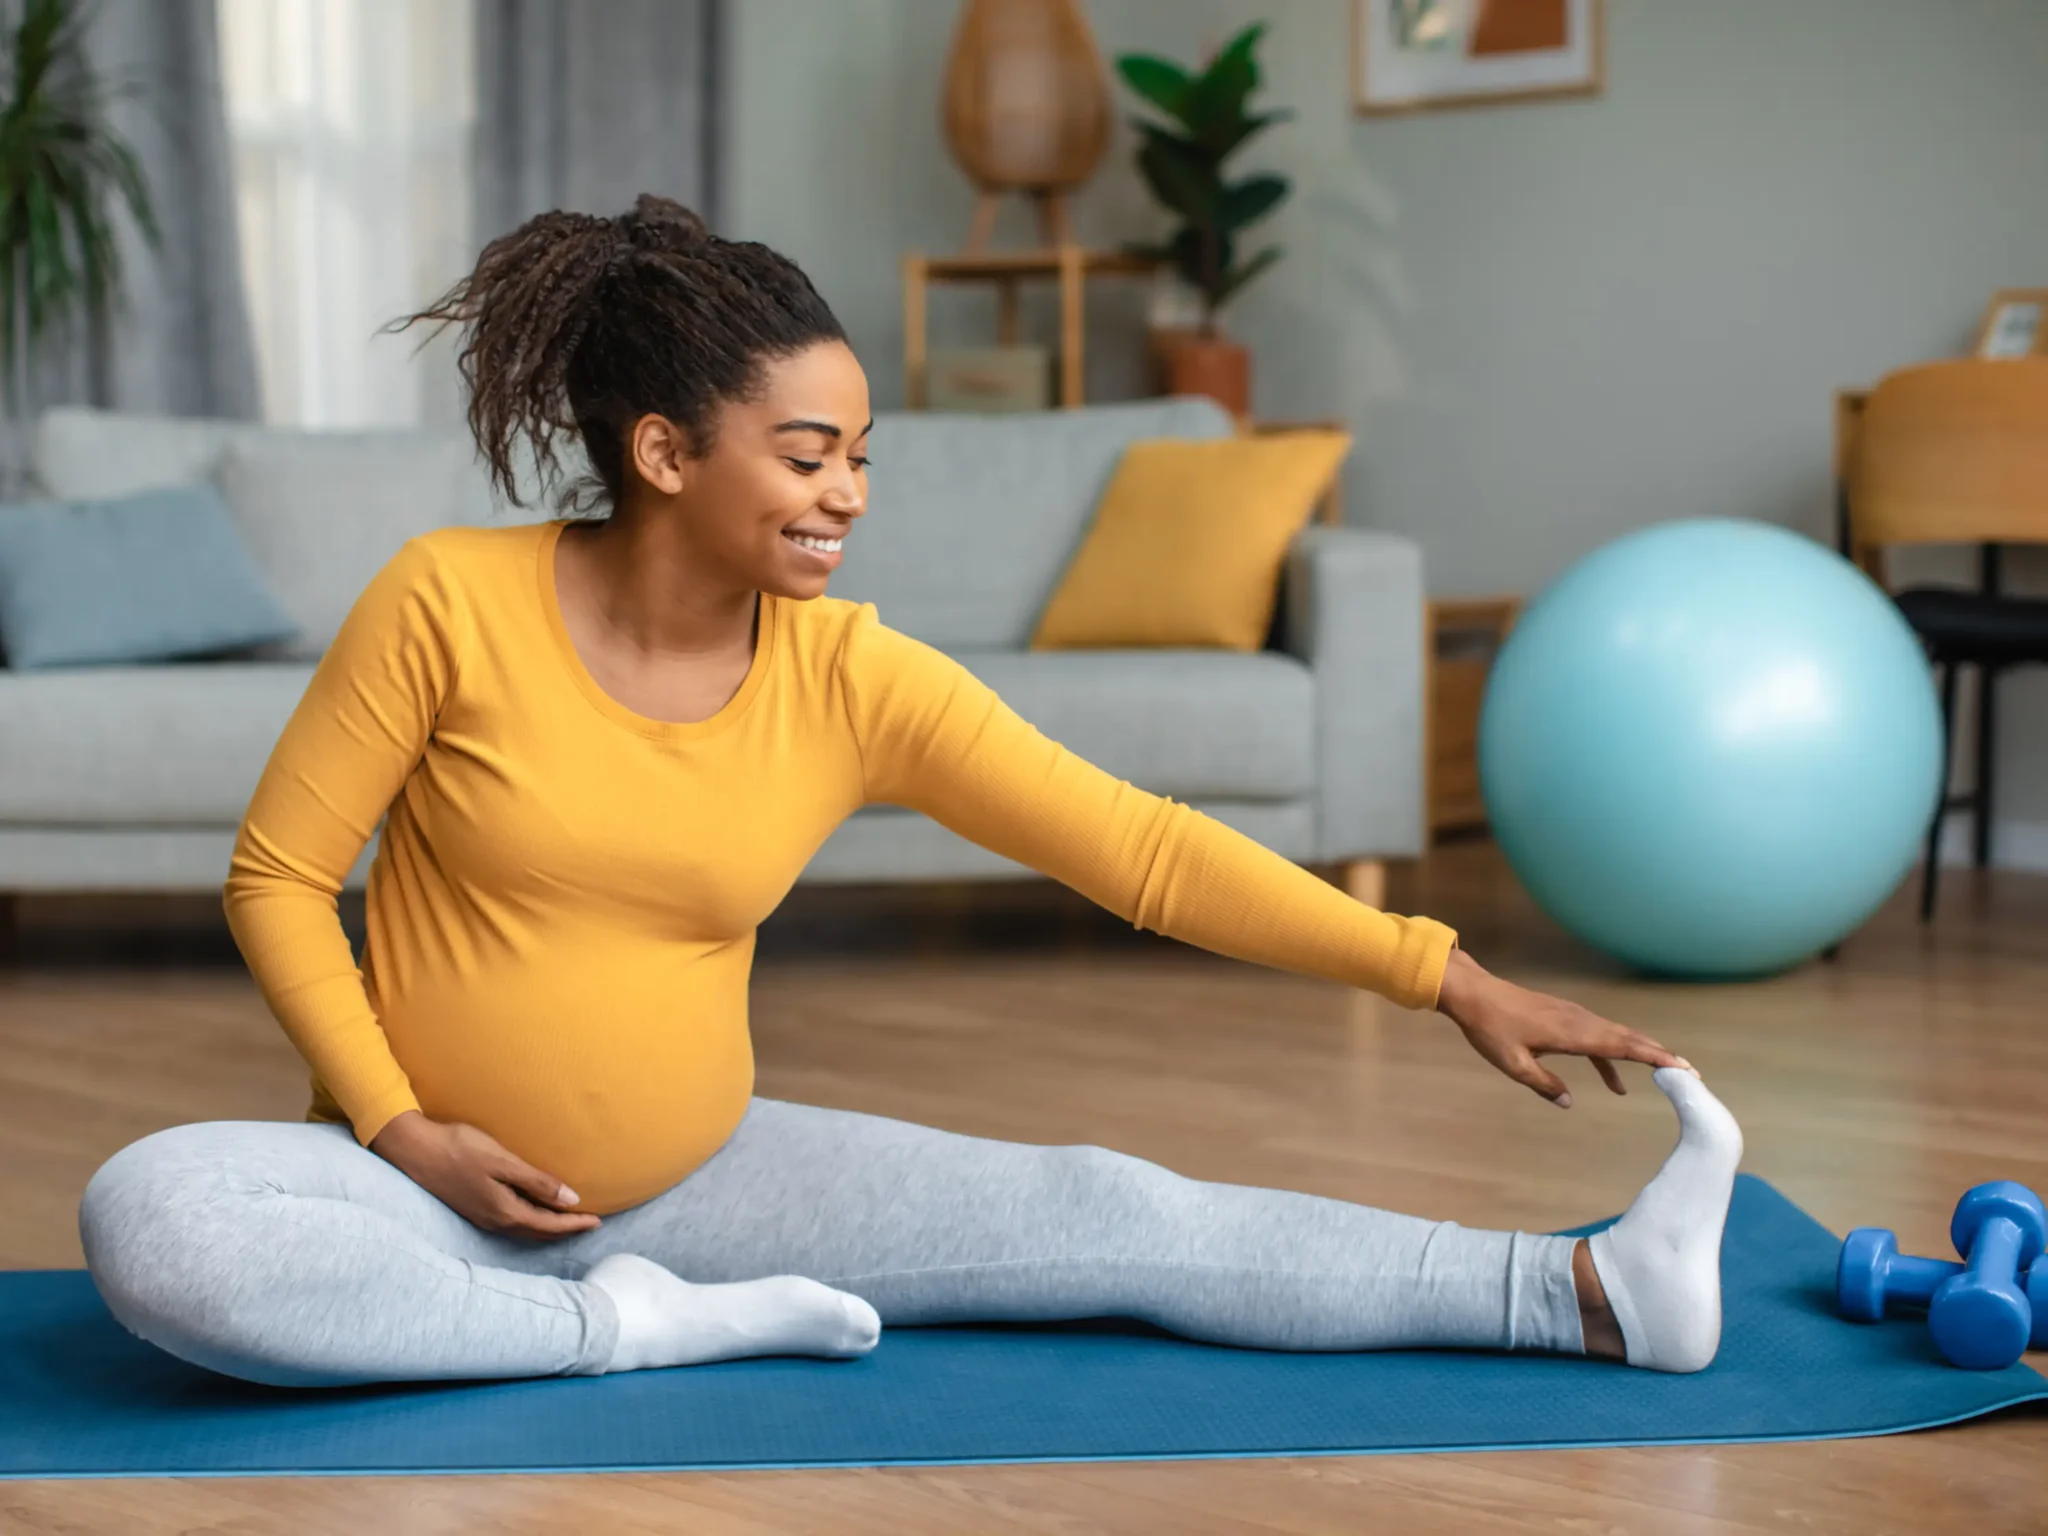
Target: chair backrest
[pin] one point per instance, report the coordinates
(1951, 453)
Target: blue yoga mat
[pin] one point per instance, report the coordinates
(81, 1398)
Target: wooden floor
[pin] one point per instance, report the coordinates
(1872, 1092)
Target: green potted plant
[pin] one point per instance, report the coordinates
(63, 168)
(1208, 119)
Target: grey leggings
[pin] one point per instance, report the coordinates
(288, 1254)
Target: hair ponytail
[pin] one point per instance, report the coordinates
(578, 326)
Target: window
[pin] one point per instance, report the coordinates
(351, 122)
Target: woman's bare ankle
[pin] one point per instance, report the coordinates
(1596, 1318)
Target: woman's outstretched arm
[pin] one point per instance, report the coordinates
(937, 740)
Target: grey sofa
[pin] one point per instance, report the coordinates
(127, 778)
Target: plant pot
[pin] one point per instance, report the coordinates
(1209, 365)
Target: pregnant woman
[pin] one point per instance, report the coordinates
(602, 750)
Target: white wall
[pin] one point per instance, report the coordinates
(1548, 323)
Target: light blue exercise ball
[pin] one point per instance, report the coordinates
(1711, 748)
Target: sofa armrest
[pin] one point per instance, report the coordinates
(1353, 610)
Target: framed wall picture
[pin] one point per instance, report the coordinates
(2015, 324)
(1415, 55)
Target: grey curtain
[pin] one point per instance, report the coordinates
(178, 342)
(585, 104)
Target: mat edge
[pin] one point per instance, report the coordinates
(641, 1468)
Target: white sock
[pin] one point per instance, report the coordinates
(665, 1320)
(1661, 1263)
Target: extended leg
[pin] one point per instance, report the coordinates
(932, 1227)
(937, 1228)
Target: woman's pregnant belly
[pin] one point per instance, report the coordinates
(617, 1079)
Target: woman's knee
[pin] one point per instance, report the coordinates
(250, 1248)
(141, 1188)
(159, 1225)
(140, 1198)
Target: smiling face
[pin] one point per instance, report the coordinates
(769, 507)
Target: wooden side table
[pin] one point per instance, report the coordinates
(1070, 265)
(1464, 637)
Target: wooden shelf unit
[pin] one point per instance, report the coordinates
(1070, 265)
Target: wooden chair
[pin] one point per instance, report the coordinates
(1957, 453)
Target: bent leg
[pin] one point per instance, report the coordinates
(289, 1255)
(931, 1227)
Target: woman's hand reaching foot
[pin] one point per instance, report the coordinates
(1513, 1028)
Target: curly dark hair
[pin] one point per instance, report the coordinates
(579, 325)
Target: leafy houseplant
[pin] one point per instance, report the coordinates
(1183, 164)
(63, 168)
(1208, 119)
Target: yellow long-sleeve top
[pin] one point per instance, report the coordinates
(563, 905)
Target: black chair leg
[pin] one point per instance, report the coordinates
(1931, 874)
(1987, 758)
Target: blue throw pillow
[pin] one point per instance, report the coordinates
(148, 577)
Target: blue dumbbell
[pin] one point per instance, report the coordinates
(1982, 1318)
(1872, 1275)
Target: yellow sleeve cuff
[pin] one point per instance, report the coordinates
(1417, 975)
(368, 1120)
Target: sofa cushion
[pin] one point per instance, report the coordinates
(147, 577)
(972, 519)
(83, 454)
(1186, 545)
(164, 746)
(323, 513)
(320, 510)
(1222, 724)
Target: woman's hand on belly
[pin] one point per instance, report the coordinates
(474, 1176)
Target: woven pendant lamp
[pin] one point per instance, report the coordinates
(1026, 108)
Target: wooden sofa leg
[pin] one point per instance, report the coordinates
(10, 920)
(1364, 880)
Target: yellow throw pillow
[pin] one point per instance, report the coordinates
(1188, 542)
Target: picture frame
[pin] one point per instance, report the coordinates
(1428, 55)
(2015, 324)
